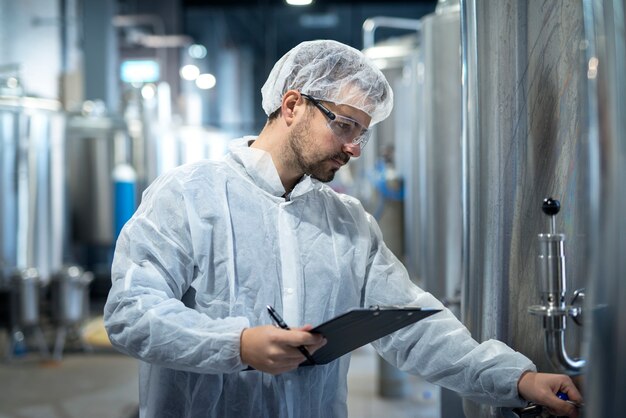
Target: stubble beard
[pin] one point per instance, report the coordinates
(303, 155)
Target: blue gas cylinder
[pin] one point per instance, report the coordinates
(125, 189)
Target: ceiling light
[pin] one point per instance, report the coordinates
(197, 51)
(205, 81)
(190, 72)
(299, 2)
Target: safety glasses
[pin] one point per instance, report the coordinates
(344, 128)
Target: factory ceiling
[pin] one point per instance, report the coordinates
(235, 3)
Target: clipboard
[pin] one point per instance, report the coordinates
(360, 326)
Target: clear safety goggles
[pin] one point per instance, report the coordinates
(344, 128)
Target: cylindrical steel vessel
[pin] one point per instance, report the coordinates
(26, 292)
(69, 295)
(32, 185)
(605, 333)
(437, 190)
(524, 139)
(91, 153)
(380, 173)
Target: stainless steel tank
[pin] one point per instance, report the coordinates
(91, 157)
(381, 172)
(605, 333)
(424, 136)
(32, 184)
(437, 187)
(421, 141)
(392, 144)
(93, 143)
(525, 138)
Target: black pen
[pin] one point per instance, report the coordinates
(279, 321)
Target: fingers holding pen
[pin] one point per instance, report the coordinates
(312, 342)
(274, 350)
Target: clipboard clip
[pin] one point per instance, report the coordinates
(380, 308)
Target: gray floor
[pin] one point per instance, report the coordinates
(422, 400)
(103, 384)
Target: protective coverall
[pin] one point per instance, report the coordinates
(213, 243)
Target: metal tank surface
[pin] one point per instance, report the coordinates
(32, 211)
(32, 186)
(605, 333)
(437, 189)
(91, 155)
(421, 143)
(524, 139)
(380, 173)
(437, 186)
(95, 144)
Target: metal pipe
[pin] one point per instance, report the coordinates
(370, 25)
(556, 351)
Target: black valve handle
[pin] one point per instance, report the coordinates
(550, 206)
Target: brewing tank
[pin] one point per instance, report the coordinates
(91, 154)
(524, 139)
(382, 177)
(32, 186)
(95, 145)
(437, 188)
(605, 333)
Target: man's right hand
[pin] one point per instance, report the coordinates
(275, 350)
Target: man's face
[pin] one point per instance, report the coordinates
(309, 157)
(315, 149)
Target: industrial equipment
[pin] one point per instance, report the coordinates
(554, 311)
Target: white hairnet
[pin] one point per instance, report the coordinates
(333, 72)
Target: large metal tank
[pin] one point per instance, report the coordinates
(384, 175)
(437, 187)
(381, 172)
(32, 186)
(421, 142)
(524, 139)
(423, 136)
(92, 142)
(605, 333)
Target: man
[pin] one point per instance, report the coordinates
(214, 243)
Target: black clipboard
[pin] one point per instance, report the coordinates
(360, 326)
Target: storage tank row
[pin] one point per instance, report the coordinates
(69, 183)
(526, 110)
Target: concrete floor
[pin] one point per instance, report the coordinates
(103, 384)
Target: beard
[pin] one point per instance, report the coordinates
(304, 157)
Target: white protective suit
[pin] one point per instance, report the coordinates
(214, 243)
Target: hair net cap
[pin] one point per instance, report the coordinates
(330, 71)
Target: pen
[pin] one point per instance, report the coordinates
(563, 396)
(279, 321)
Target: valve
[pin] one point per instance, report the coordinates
(553, 288)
